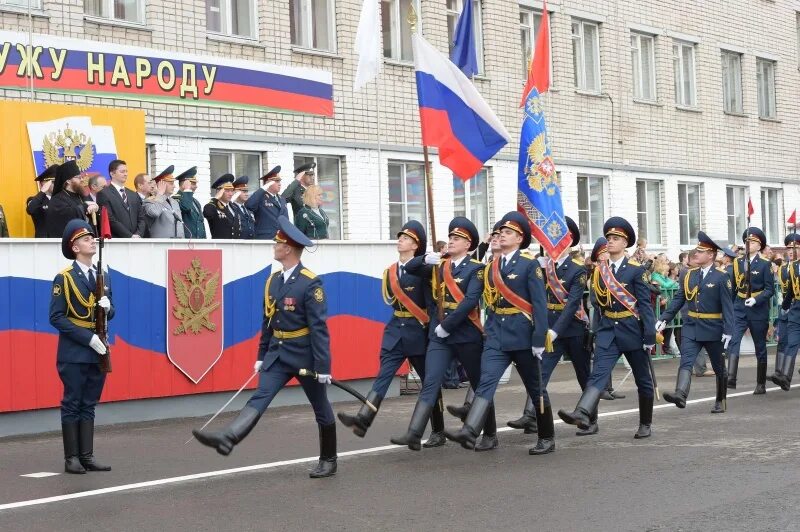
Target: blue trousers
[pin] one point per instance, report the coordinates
(758, 330)
(494, 365)
(274, 378)
(83, 385)
(580, 357)
(391, 360)
(792, 339)
(691, 348)
(606, 358)
(782, 332)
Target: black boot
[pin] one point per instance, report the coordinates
(72, 464)
(473, 425)
(461, 411)
(225, 440)
(528, 419)
(413, 437)
(761, 378)
(784, 380)
(720, 403)
(488, 442)
(592, 429)
(584, 411)
(326, 467)
(86, 445)
(779, 356)
(645, 417)
(678, 398)
(733, 368)
(436, 437)
(546, 442)
(362, 421)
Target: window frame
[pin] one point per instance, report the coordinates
(396, 30)
(692, 239)
(309, 27)
(588, 236)
(477, 21)
(226, 20)
(339, 158)
(738, 81)
(254, 182)
(773, 110)
(35, 5)
(468, 186)
(779, 228)
(579, 70)
(638, 86)
(678, 72)
(655, 209)
(737, 220)
(108, 6)
(404, 202)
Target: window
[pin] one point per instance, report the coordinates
(150, 159)
(231, 17)
(732, 82)
(643, 62)
(453, 12)
(765, 74)
(313, 24)
(737, 212)
(406, 195)
(529, 23)
(328, 176)
(591, 209)
(770, 214)
(35, 4)
(689, 212)
(471, 199)
(586, 54)
(683, 67)
(396, 29)
(127, 10)
(648, 207)
(797, 29)
(238, 164)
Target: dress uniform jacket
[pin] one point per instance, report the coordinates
(293, 195)
(294, 329)
(312, 225)
(762, 287)
(403, 328)
(247, 222)
(72, 314)
(63, 207)
(164, 218)
(791, 301)
(222, 222)
(710, 305)
(266, 209)
(192, 215)
(561, 317)
(37, 207)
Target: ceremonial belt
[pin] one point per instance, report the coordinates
(555, 306)
(705, 315)
(619, 315)
(402, 314)
(743, 295)
(404, 299)
(556, 287)
(82, 323)
(507, 311)
(619, 292)
(512, 297)
(288, 335)
(458, 295)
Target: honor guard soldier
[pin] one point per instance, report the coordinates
(455, 330)
(516, 331)
(72, 311)
(267, 205)
(708, 293)
(781, 325)
(754, 284)
(405, 337)
(294, 336)
(790, 283)
(36, 206)
(625, 325)
(222, 221)
(247, 221)
(191, 211)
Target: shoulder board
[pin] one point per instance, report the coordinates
(721, 270)
(65, 270)
(633, 262)
(579, 262)
(308, 273)
(693, 269)
(475, 261)
(526, 254)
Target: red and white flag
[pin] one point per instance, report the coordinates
(750, 209)
(793, 218)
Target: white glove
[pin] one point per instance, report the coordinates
(784, 312)
(661, 325)
(105, 303)
(440, 332)
(433, 258)
(257, 366)
(322, 378)
(97, 344)
(537, 352)
(749, 302)
(553, 335)
(726, 339)
(649, 347)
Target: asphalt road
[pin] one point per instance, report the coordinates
(736, 471)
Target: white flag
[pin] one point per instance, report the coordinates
(368, 44)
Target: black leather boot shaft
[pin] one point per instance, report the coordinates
(733, 369)
(645, 417)
(413, 436)
(327, 465)
(761, 378)
(720, 403)
(224, 441)
(69, 435)
(86, 445)
(364, 418)
(473, 425)
(682, 386)
(779, 358)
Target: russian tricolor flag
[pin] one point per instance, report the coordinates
(454, 116)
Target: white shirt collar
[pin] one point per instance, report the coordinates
(509, 256)
(456, 263)
(560, 262)
(617, 263)
(119, 188)
(288, 273)
(142, 196)
(84, 269)
(706, 269)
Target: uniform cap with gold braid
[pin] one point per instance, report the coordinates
(241, 183)
(619, 226)
(189, 174)
(272, 175)
(756, 235)
(518, 222)
(166, 175)
(49, 174)
(791, 240)
(74, 230)
(705, 243)
(289, 234)
(600, 246)
(496, 228)
(414, 230)
(224, 181)
(463, 227)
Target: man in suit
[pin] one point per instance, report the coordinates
(266, 205)
(247, 222)
(36, 206)
(162, 211)
(303, 178)
(72, 308)
(191, 211)
(125, 212)
(222, 220)
(67, 203)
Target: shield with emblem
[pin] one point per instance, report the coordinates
(194, 310)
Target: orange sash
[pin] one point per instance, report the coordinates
(458, 295)
(403, 298)
(512, 297)
(556, 287)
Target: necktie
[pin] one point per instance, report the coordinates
(702, 275)
(402, 272)
(503, 264)
(614, 268)
(452, 266)
(92, 280)
(124, 197)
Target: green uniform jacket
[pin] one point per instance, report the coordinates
(313, 225)
(192, 215)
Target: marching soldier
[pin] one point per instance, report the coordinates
(247, 221)
(754, 284)
(781, 327)
(625, 325)
(789, 277)
(405, 337)
(455, 331)
(36, 206)
(707, 292)
(191, 212)
(516, 332)
(162, 211)
(267, 205)
(222, 222)
(72, 309)
(294, 336)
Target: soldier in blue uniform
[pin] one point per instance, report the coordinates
(455, 328)
(708, 293)
(222, 220)
(267, 205)
(72, 310)
(625, 325)
(247, 222)
(789, 277)
(751, 306)
(294, 336)
(191, 211)
(516, 330)
(405, 337)
(791, 241)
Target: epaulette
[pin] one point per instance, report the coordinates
(526, 254)
(721, 270)
(308, 273)
(476, 261)
(579, 262)
(633, 262)
(693, 269)
(65, 270)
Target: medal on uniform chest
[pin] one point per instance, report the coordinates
(289, 303)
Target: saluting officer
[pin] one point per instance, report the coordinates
(303, 178)
(708, 293)
(751, 306)
(455, 330)
(267, 205)
(222, 221)
(247, 222)
(405, 337)
(191, 211)
(72, 310)
(790, 282)
(625, 325)
(36, 206)
(781, 326)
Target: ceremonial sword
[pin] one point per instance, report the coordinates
(649, 353)
(349, 389)
(226, 404)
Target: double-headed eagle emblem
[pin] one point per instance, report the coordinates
(540, 169)
(195, 290)
(68, 145)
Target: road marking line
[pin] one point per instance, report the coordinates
(273, 465)
(43, 474)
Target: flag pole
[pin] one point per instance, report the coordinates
(380, 164)
(429, 195)
(747, 251)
